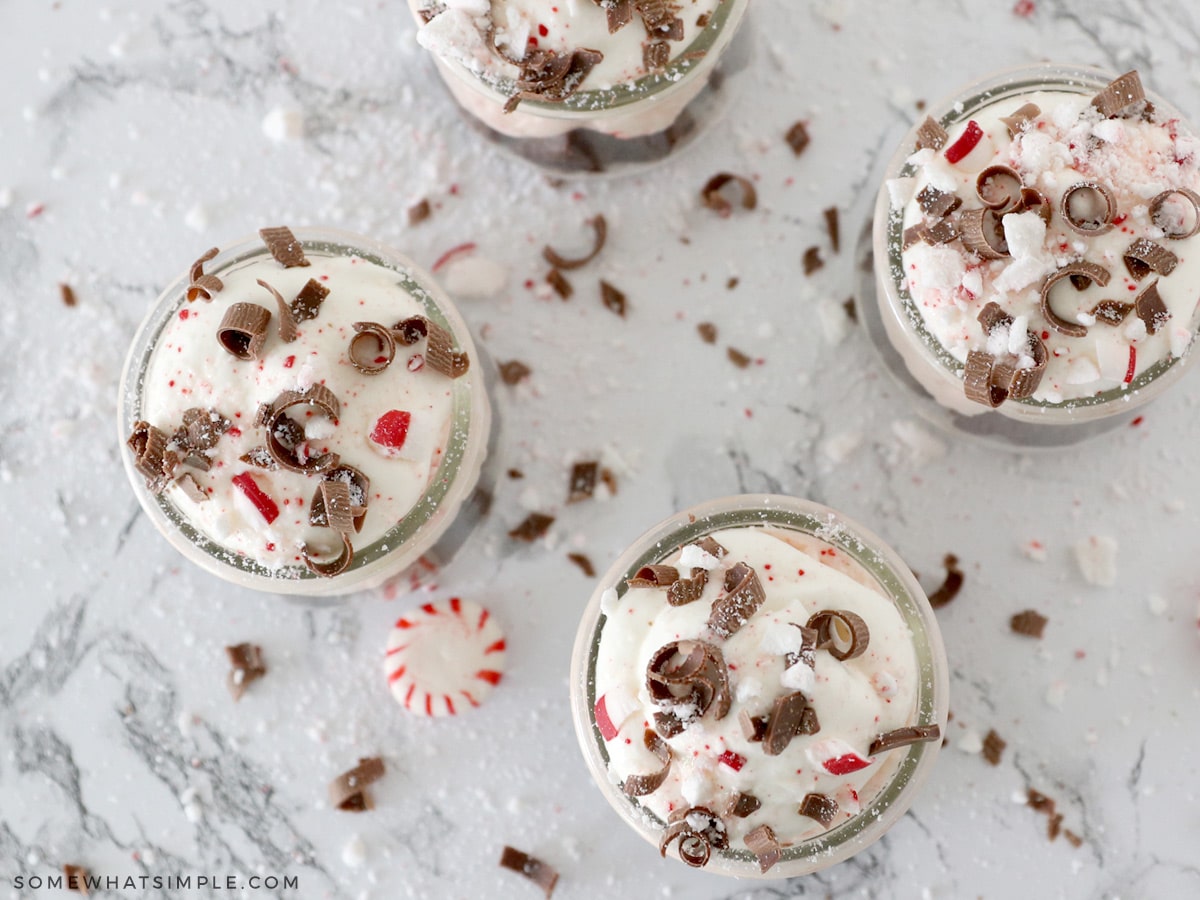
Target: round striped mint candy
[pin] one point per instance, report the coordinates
(444, 657)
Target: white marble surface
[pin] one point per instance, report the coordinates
(136, 128)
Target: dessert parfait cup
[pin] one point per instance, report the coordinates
(456, 493)
(821, 533)
(617, 128)
(920, 362)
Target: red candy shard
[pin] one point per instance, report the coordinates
(845, 764)
(489, 675)
(1132, 367)
(965, 143)
(735, 761)
(263, 503)
(391, 429)
(608, 730)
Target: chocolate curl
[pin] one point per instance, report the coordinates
(700, 680)
(764, 845)
(841, 632)
(1119, 95)
(552, 77)
(654, 577)
(149, 446)
(201, 285)
(902, 737)
(1144, 256)
(307, 304)
(711, 196)
(743, 596)
(695, 845)
(981, 233)
(336, 506)
(283, 245)
(203, 427)
(656, 56)
(784, 723)
(372, 349)
(346, 791)
(600, 227)
(931, 135)
(284, 433)
(741, 805)
(937, 204)
(243, 329)
(1033, 201)
(287, 321)
(1082, 274)
(441, 355)
(754, 728)
(1021, 383)
(951, 586)
(808, 648)
(358, 488)
(977, 380)
(329, 568)
(409, 331)
(531, 867)
(999, 188)
(247, 665)
(993, 316)
(992, 381)
(260, 457)
(1160, 220)
(1111, 312)
(1016, 122)
(1089, 224)
(640, 785)
(819, 807)
(1151, 309)
(583, 481)
(710, 546)
(687, 590)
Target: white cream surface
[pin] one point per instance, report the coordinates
(855, 699)
(189, 368)
(1067, 143)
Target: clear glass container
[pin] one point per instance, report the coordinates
(616, 129)
(873, 562)
(455, 497)
(918, 360)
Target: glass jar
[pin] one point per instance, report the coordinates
(452, 498)
(924, 365)
(824, 534)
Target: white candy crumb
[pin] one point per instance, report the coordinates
(6, 197)
(608, 601)
(474, 278)
(922, 446)
(1056, 694)
(835, 324)
(196, 218)
(970, 742)
(282, 124)
(1034, 550)
(838, 447)
(693, 556)
(1097, 559)
(799, 677)
(355, 851)
(1157, 604)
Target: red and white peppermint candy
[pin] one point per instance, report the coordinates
(836, 757)
(444, 657)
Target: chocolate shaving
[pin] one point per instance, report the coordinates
(784, 722)
(260, 457)
(67, 293)
(754, 728)
(75, 878)
(287, 321)
(419, 212)
(346, 791)
(283, 245)
(654, 577)
(583, 481)
(358, 495)
(710, 546)
(1144, 256)
(441, 355)
(243, 330)
(937, 204)
(1111, 312)
(372, 349)
(812, 260)
(741, 805)
(307, 304)
(993, 747)
(982, 233)
(600, 227)
(914, 234)
(1033, 201)
(247, 665)
(552, 77)
(695, 845)
(797, 138)
(1150, 308)
(764, 845)
(656, 55)
(942, 232)
(329, 568)
(712, 197)
(702, 20)
(335, 506)
(820, 807)
(1072, 838)
(902, 737)
(743, 596)
(558, 281)
(609, 479)
(687, 590)
(531, 867)
(951, 586)
(284, 433)
(532, 527)
(1030, 623)
(584, 563)
(199, 284)
(999, 188)
(150, 460)
(843, 633)
(613, 299)
(1119, 95)
(699, 680)
(191, 487)
(640, 785)
(807, 653)
(1161, 220)
(738, 358)
(514, 371)
(619, 14)
(1016, 122)
(931, 135)
(1081, 274)
(832, 228)
(203, 427)
(409, 331)
(708, 332)
(993, 316)
(1089, 222)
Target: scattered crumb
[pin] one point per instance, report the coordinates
(283, 124)
(1097, 560)
(1030, 623)
(1034, 550)
(993, 747)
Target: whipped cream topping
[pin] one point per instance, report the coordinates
(1068, 142)
(712, 759)
(189, 368)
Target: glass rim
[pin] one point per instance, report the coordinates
(896, 582)
(900, 309)
(403, 542)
